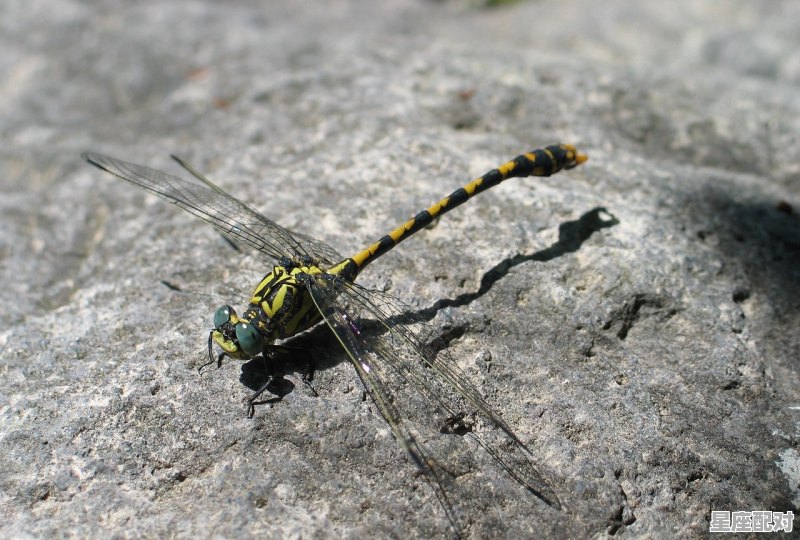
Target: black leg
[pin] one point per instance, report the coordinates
(219, 362)
(307, 375)
(251, 403)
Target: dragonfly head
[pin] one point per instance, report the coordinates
(236, 336)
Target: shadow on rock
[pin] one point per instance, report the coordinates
(571, 235)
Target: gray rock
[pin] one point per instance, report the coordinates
(634, 320)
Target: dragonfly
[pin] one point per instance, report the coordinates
(424, 397)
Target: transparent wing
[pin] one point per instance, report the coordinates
(225, 213)
(422, 395)
(324, 293)
(403, 331)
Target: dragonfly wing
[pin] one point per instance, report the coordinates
(319, 250)
(422, 395)
(368, 365)
(224, 212)
(427, 368)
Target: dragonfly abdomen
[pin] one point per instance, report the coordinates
(542, 162)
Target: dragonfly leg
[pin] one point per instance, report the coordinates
(307, 374)
(211, 361)
(251, 402)
(275, 383)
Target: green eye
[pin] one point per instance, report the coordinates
(223, 315)
(250, 339)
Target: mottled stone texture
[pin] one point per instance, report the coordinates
(635, 320)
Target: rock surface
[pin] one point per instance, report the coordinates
(634, 320)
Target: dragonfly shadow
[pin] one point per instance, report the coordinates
(257, 372)
(313, 350)
(571, 235)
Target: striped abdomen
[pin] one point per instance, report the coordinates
(543, 162)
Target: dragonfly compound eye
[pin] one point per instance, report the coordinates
(223, 315)
(250, 339)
